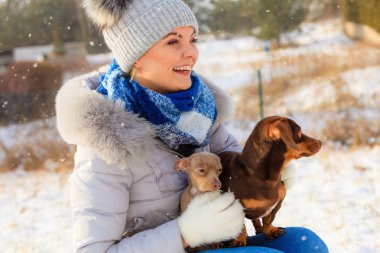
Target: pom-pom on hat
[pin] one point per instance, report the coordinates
(131, 27)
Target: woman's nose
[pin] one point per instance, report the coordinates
(191, 50)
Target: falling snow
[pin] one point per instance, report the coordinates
(336, 193)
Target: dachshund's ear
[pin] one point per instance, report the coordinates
(105, 13)
(182, 164)
(281, 130)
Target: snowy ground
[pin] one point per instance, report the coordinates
(336, 192)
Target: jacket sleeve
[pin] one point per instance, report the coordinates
(99, 196)
(222, 140)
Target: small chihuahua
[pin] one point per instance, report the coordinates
(203, 170)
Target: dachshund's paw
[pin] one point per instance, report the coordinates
(259, 230)
(273, 232)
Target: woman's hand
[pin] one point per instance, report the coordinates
(211, 217)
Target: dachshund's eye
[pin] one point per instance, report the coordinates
(299, 134)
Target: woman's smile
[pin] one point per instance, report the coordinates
(183, 70)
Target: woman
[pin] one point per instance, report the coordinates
(133, 122)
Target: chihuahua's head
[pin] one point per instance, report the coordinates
(203, 171)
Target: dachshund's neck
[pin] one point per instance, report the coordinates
(262, 158)
(255, 150)
(274, 161)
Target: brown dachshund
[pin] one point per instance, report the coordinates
(254, 176)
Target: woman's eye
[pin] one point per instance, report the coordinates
(172, 42)
(194, 40)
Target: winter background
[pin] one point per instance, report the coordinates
(332, 89)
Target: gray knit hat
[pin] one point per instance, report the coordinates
(131, 27)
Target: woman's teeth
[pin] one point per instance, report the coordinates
(182, 68)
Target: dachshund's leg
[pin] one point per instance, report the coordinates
(269, 230)
(258, 226)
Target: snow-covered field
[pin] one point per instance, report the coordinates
(336, 193)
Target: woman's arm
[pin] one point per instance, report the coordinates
(100, 200)
(99, 195)
(222, 140)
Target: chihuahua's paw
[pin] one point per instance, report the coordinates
(237, 243)
(273, 232)
(217, 245)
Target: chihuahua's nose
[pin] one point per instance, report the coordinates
(217, 185)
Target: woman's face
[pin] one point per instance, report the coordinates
(167, 65)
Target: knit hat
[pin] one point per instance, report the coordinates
(131, 27)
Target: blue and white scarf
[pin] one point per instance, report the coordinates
(181, 118)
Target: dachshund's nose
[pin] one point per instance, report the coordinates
(317, 145)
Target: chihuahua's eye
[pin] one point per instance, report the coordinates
(219, 171)
(202, 171)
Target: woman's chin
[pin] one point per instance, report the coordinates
(184, 85)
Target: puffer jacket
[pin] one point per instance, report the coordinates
(124, 180)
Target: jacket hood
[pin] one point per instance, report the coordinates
(85, 117)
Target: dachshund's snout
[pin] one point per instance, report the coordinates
(315, 146)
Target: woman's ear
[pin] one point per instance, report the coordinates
(137, 64)
(135, 70)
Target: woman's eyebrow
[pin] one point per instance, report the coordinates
(176, 34)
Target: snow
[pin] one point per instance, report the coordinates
(34, 211)
(364, 84)
(336, 192)
(234, 62)
(325, 88)
(310, 35)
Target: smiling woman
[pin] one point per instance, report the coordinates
(132, 123)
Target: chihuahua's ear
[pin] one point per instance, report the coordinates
(182, 164)
(281, 130)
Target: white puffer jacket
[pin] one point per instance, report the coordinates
(124, 180)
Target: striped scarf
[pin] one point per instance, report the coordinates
(182, 119)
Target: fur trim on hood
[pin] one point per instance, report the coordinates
(85, 117)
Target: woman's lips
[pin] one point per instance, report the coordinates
(182, 73)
